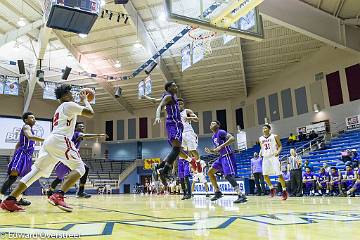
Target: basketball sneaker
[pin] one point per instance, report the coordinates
(23, 202)
(11, 206)
(162, 176)
(217, 196)
(284, 195)
(186, 197)
(241, 199)
(57, 199)
(272, 192)
(49, 193)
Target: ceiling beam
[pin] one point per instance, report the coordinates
(16, 33)
(88, 66)
(146, 39)
(243, 77)
(312, 22)
(352, 21)
(39, 54)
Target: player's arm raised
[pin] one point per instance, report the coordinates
(29, 135)
(166, 100)
(151, 99)
(279, 145)
(88, 110)
(191, 116)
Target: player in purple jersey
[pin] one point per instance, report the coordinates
(183, 173)
(349, 179)
(174, 128)
(309, 181)
(62, 170)
(21, 162)
(356, 185)
(225, 164)
(322, 182)
(335, 182)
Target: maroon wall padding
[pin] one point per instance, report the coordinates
(143, 126)
(334, 88)
(353, 81)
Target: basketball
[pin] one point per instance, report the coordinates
(11, 86)
(90, 93)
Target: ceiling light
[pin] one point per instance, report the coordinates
(162, 17)
(117, 64)
(138, 45)
(82, 35)
(21, 22)
(102, 3)
(126, 20)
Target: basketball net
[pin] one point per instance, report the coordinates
(202, 38)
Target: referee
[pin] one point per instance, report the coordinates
(295, 164)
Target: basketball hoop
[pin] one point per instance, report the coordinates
(202, 38)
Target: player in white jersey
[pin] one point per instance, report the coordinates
(270, 150)
(57, 147)
(198, 170)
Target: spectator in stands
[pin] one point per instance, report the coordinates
(307, 164)
(291, 139)
(322, 181)
(335, 180)
(295, 164)
(256, 171)
(349, 179)
(355, 159)
(309, 182)
(346, 156)
(313, 135)
(301, 137)
(106, 154)
(356, 186)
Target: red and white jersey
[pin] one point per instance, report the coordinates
(199, 166)
(65, 119)
(268, 145)
(186, 123)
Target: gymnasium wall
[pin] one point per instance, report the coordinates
(298, 83)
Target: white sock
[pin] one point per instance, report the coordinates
(284, 189)
(327, 190)
(348, 192)
(2, 197)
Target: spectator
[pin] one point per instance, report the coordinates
(307, 164)
(309, 182)
(313, 135)
(256, 171)
(301, 137)
(335, 180)
(292, 139)
(295, 164)
(322, 181)
(355, 159)
(346, 156)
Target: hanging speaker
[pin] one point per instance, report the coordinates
(118, 92)
(151, 67)
(40, 75)
(66, 73)
(121, 1)
(21, 66)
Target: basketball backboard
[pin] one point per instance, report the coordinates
(219, 16)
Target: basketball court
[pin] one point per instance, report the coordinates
(163, 217)
(292, 66)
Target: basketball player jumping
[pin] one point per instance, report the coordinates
(174, 128)
(57, 147)
(270, 150)
(225, 163)
(21, 162)
(62, 170)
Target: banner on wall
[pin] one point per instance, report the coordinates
(353, 122)
(148, 162)
(241, 140)
(49, 91)
(11, 128)
(2, 84)
(141, 89)
(225, 188)
(148, 85)
(11, 85)
(198, 52)
(317, 127)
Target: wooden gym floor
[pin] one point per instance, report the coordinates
(167, 217)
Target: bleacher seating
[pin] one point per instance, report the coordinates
(332, 155)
